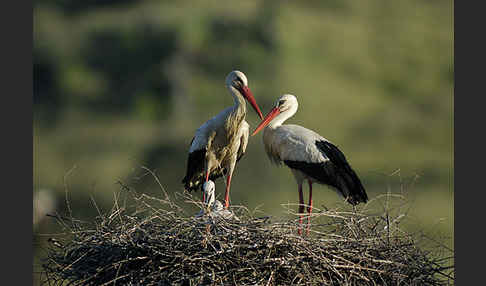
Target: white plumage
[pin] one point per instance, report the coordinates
(293, 142)
(207, 132)
(309, 156)
(214, 208)
(221, 141)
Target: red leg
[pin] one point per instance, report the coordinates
(207, 178)
(309, 208)
(301, 207)
(226, 196)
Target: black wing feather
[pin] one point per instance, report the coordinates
(195, 176)
(350, 179)
(195, 164)
(336, 173)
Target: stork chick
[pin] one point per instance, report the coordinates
(214, 208)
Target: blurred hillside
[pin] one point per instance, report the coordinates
(124, 84)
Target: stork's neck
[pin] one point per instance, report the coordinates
(282, 117)
(239, 107)
(210, 198)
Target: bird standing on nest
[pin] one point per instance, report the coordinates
(309, 156)
(221, 141)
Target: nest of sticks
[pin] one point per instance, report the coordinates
(154, 241)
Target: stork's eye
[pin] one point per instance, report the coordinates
(280, 102)
(238, 82)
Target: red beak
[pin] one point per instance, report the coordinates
(271, 115)
(249, 96)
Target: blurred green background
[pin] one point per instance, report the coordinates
(124, 84)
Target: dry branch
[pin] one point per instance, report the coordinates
(154, 242)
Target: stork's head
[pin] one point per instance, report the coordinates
(236, 81)
(286, 104)
(208, 189)
(217, 206)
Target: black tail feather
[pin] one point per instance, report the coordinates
(195, 168)
(350, 180)
(336, 173)
(195, 175)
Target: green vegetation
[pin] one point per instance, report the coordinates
(125, 84)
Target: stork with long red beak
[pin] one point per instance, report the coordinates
(221, 141)
(309, 156)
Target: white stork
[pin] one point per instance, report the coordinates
(309, 156)
(220, 142)
(215, 208)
